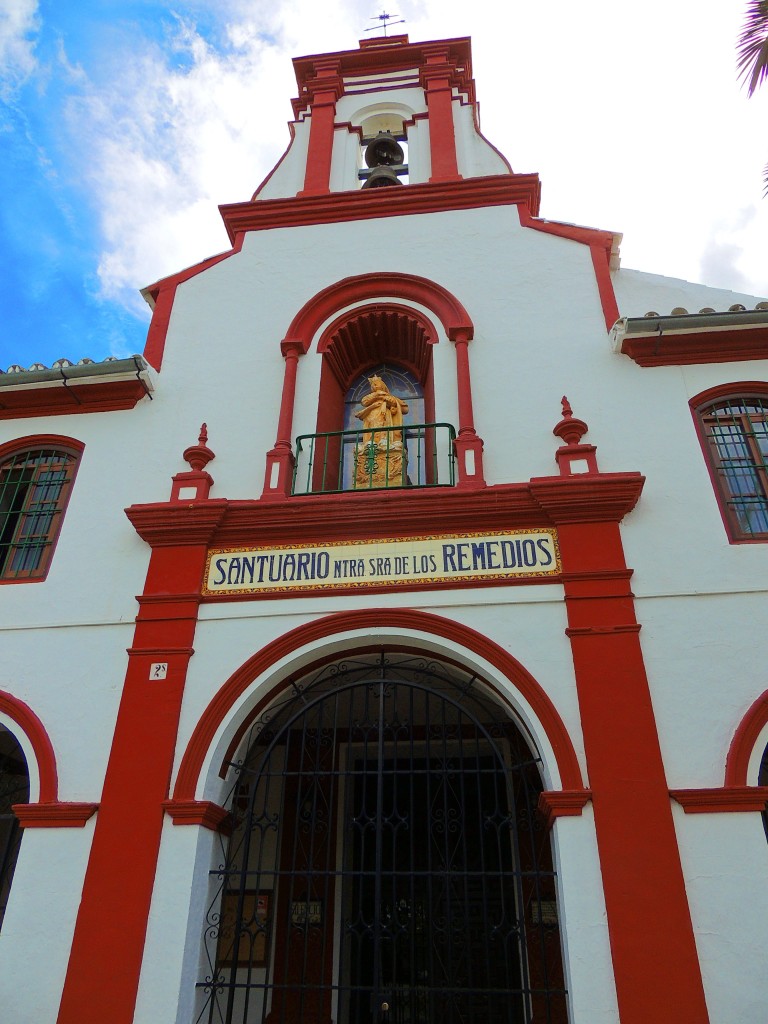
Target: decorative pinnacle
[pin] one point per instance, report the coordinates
(570, 429)
(199, 455)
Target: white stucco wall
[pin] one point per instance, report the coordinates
(40, 920)
(725, 863)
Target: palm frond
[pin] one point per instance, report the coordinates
(752, 46)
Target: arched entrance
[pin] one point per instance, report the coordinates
(386, 863)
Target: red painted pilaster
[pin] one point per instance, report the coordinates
(437, 81)
(468, 446)
(105, 960)
(601, 261)
(325, 88)
(280, 461)
(656, 965)
(164, 295)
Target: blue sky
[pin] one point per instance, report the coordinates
(124, 124)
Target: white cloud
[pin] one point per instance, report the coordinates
(633, 117)
(186, 127)
(18, 23)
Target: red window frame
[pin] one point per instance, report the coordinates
(35, 484)
(733, 430)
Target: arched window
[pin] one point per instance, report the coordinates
(386, 860)
(392, 344)
(734, 432)
(14, 789)
(34, 487)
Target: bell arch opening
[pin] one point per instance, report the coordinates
(385, 861)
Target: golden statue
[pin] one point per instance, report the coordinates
(380, 459)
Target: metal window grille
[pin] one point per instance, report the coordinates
(33, 490)
(386, 861)
(737, 432)
(14, 789)
(417, 455)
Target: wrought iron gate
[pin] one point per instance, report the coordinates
(385, 862)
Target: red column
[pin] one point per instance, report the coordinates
(280, 461)
(656, 966)
(468, 446)
(326, 88)
(108, 945)
(437, 81)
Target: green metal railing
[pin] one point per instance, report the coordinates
(419, 455)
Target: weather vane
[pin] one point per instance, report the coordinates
(385, 20)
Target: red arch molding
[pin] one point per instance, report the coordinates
(744, 740)
(35, 732)
(48, 812)
(735, 794)
(430, 625)
(40, 441)
(351, 290)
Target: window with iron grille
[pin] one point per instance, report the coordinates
(34, 486)
(736, 434)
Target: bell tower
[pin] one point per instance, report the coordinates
(391, 112)
(389, 130)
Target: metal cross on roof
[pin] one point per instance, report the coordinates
(385, 20)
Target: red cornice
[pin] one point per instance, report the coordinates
(394, 53)
(562, 803)
(162, 294)
(54, 815)
(718, 801)
(586, 236)
(173, 280)
(102, 396)
(522, 190)
(591, 498)
(545, 501)
(601, 248)
(677, 348)
(199, 812)
(173, 525)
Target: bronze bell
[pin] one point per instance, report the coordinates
(380, 177)
(384, 151)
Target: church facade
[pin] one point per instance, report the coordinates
(387, 642)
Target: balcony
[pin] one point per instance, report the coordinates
(419, 455)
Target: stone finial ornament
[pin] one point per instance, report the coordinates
(199, 455)
(196, 483)
(570, 429)
(573, 458)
